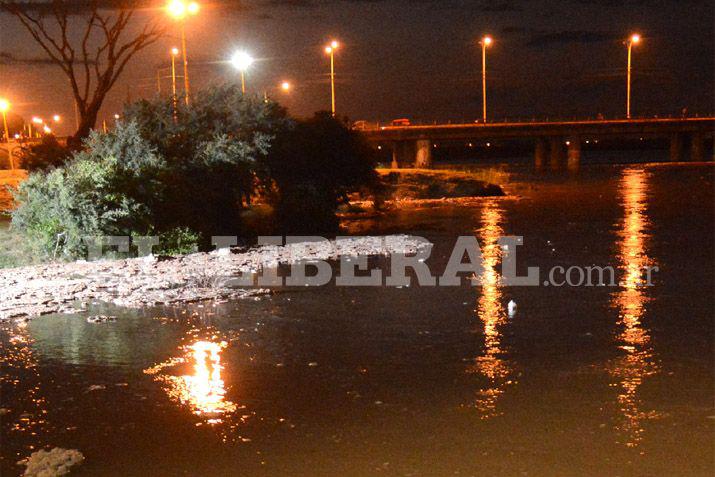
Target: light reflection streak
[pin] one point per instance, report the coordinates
(20, 381)
(638, 359)
(203, 390)
(490, 309)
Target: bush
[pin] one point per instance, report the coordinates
(315, 165)
(45, 155)
(110, 188)
(190, 176)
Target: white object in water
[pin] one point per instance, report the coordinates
(511, 308)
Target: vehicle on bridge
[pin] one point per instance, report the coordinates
(400, 122)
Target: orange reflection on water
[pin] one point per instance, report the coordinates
(203, 390)
(491, 312)
(638, 360)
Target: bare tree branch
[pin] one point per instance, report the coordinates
(50, 24)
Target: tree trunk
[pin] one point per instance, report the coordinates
(87, 121)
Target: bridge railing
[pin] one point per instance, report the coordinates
(374, 125)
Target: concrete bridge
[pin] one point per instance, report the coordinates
(553, 141)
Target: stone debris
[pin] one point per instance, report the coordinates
(101, 319)
(60, 287)
(51, 463)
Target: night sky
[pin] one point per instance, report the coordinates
(418, 59)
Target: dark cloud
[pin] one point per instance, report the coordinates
(7, 58)
(499, 7)
(565, 37)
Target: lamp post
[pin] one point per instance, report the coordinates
(330, 50)
(242, 61)
(4, 107)
(179, 9)
(485, 42)
(633, 40)
(174, 54)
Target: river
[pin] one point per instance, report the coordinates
(412, 381)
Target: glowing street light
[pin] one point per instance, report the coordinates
(285, 86)
(179, 10)
(330, 50)
(485, 42)
(633, 40)
(242, 61)
(37, 120)
(47, 129)
(4, 107)
(56, 118)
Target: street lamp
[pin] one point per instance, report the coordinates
(242, 61)
(330, 49)
(56, 118)
(285, 86)
(633, 40)
(485, 42)
(4, 107)
(179, 9)
(174, 54)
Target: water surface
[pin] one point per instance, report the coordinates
(414, 380)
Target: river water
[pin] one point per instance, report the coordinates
(602, 380)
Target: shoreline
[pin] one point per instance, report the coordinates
(31, 291)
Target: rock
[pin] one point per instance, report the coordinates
(42, 289)
(101, 319)
(51, 463)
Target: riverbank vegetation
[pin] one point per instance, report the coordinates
(188, 174)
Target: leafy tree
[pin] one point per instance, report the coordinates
(315, 165)
(44, 155)
(110, 188)
(214, 148)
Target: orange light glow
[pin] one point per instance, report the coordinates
(285, 86)
(638, 359)
(37, 120)
(4, 105)
(487, 40)
(203, 391)
(57, 118)
(175, 51)
(491, 363)
(635, 38)
(178, 9)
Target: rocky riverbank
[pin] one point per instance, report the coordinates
(68, 287)
(429, 184)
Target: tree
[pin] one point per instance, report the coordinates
(314, 166)
(91, 70)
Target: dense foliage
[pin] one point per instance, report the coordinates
(44, 155)
(315, 165)
(187, 175)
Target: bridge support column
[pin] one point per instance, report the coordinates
(574, 154)
(676, 147)
(540, 152)
(402, 155)
(423, 155)
(556, 147)
(697, 147)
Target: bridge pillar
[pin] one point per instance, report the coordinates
(540, 152)
(556, 146)
(697, 147)
(423, 156)
(574, 154)
(402, 155)
(676, 147)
